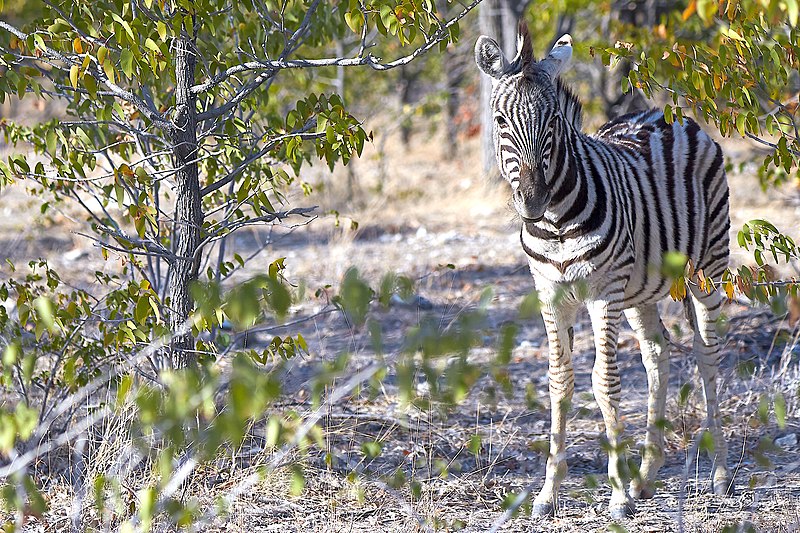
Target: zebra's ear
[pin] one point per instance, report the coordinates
(557, 60)
(524, 57)
(489, 57)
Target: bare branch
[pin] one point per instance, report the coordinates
(269, 218)
(769, 144)
(98, 73)
(273, 66)
(302, 133)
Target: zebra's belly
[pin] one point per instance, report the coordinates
(585, 280)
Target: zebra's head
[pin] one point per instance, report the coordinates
(526, 116)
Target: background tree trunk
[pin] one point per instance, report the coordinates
(188, 214)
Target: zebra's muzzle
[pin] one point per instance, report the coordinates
(531, 205)
(530, 211)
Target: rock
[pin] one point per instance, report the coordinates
(416, 301)
(75, 254)
(528, 345)
(787, 441)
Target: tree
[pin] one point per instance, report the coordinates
(498, 18)
(185, 123)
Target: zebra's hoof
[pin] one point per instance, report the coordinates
(622, 511)
(641, 492)
(724, 487)
(542, 510)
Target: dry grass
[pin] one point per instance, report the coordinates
(418, 211)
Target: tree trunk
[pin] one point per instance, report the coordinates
(452, 81)
(497, 19)
(188, 213)
(406, 83)
(453, 67)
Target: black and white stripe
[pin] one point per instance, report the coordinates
(599, 212)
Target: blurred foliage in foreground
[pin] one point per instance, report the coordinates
(73, 360)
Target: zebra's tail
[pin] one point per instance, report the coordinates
(688, 311)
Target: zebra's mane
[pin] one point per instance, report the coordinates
(570, 105)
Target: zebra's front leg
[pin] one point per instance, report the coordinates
(653, 341)
(558, 319)
(605, 314)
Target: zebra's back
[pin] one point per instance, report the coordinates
(672, 186)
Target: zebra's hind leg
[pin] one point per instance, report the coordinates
(606, 314)
(706, 310)
(559, 317)
(653, 341)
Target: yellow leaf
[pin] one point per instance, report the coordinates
(728, 286)
(732, 8)
(108, 68)
(706, 10)
(792, 11)
(74, 70)
(77, 45)
(690, 10)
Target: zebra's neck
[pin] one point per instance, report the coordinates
(570, 106)
(577, 192)
(569, 186)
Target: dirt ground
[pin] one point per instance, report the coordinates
(418, 212)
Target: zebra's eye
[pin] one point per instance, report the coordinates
(500, 121)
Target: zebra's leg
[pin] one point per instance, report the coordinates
(653, 341)
(606, 314)
(706, 310)
(559, 317)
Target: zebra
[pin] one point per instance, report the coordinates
(599, 212)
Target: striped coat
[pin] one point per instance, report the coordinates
(599, 214)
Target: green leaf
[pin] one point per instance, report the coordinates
(530, 306)
(126, 62)
(151, 45)
(147, 503)
(474, 444)
(123, 388)
(763, 409)
(50, 142)
(683, 393)
(355, 296)
(707, 442)
(26, 418)
(143, 309)
(298, 481)
(273, 432)
(91, 85)
(371, 449)
(674, 264)
(780, 410)
(45, 311)
(279, 298)
(741, 123)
